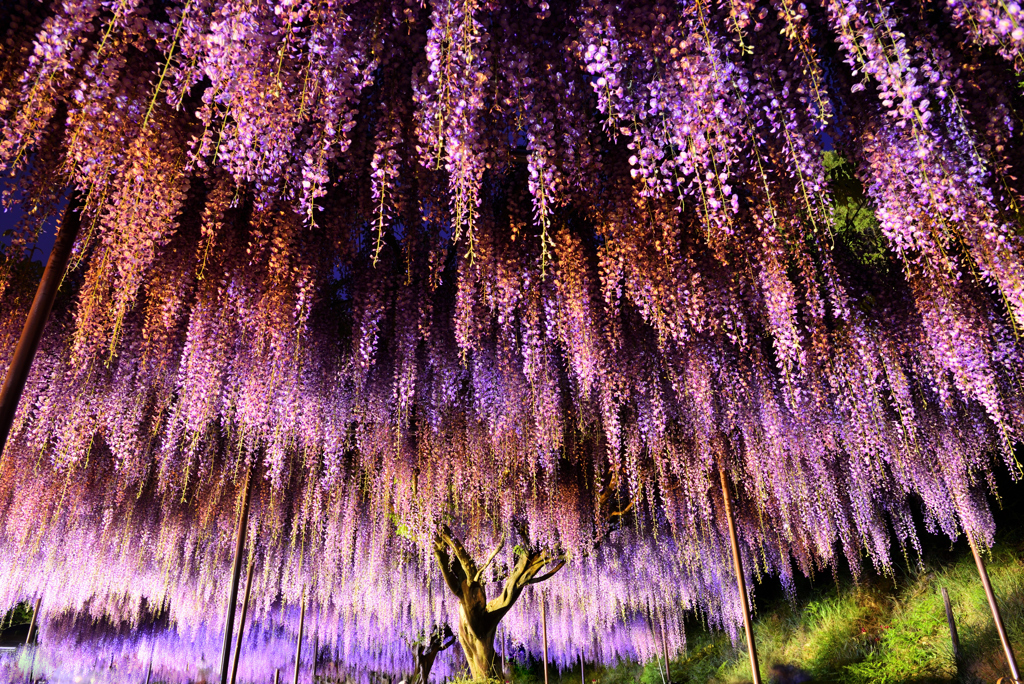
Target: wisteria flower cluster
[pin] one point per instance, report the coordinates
(493, 265)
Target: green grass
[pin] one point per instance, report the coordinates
(883, 631)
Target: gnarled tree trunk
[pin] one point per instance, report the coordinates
(426, 653)
(478, 617)
(476, 634)
(424, 663)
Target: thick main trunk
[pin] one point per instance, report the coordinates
(476, 634)
(478, 617)
(424, 664)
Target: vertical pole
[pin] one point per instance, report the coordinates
(1007, 648)
(28, 639)
(741, 584)
(32, 622)
(32, 667)
(241, 619)
(316, 647)
(277, 676)
(664, 648)
(152, 654)
(544, 632)
(657, 658)
(38, 313)
(583, 677)
(953, 636)
(236, 571)
(298, 642)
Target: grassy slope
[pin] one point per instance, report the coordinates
(882, 631)
(879, 633)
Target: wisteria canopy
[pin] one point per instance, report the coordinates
(452, 276)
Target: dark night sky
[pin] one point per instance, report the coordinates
(9, 219)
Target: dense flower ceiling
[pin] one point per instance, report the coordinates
(469, 261)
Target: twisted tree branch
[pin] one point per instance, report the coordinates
(468, 564)
(453, 574)
(548, 575)
(490, 559)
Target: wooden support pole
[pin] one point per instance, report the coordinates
(32, 622)
(152, 654)
(236, 571)
(953, 637)
(316, 648)
(298, 642)
(544, 633)
(657, 658)
(241, 618)
(277, 676)
(741, 583)
(991, 596)
(38, 313)
(32, 667)
(664, 649)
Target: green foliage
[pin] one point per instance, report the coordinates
(883, 632)
(854, 225)
(20, 614)
(650, 673)
(523, 673)
(836, 629)
(627, 672)
(978, 637)
(914, 646)
(401, 529)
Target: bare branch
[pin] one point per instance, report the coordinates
(613, 518)
(548, 575)
(523, 574)
(536, 564)
(490, 559)
(512, 589)
(441, 639)
(610, 487)
(615, 515)
(468, 564)
(449, 571)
